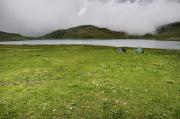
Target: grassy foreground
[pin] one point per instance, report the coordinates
(88, 82)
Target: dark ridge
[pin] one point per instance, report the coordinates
(169, 31)
(166, 32)
(4, 36)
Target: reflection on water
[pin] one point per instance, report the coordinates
(175, 45)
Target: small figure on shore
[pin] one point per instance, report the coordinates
(121, 50)
(139, 50)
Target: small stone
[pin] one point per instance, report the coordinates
(114, 91)
(70, 108)
(117, 101)
(125, 103)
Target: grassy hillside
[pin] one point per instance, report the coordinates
(170, 31)
(86, 82)
(85, 32)
(166, 32)
(10, 36)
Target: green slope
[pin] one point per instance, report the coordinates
(169, 32)
(10, 36)
(85, 32)
(166, 32)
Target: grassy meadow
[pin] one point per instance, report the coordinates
(88, 82)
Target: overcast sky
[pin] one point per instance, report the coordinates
(37, 17)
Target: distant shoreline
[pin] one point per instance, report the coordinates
(131, 43)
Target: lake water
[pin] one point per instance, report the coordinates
(173, 45)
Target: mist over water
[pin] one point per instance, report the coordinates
(37, 17)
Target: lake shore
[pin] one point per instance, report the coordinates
(169, 45)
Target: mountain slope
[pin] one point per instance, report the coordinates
(166, 32)
(4, 36)
(169, 32)
(85, 32)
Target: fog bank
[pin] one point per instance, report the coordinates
(37, 17)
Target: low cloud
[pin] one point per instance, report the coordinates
(37, 17)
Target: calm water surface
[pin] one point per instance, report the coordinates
(174, 45)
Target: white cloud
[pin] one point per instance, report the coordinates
(37, 17)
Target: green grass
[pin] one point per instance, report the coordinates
(88, 82)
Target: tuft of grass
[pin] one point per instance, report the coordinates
(86, 82)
